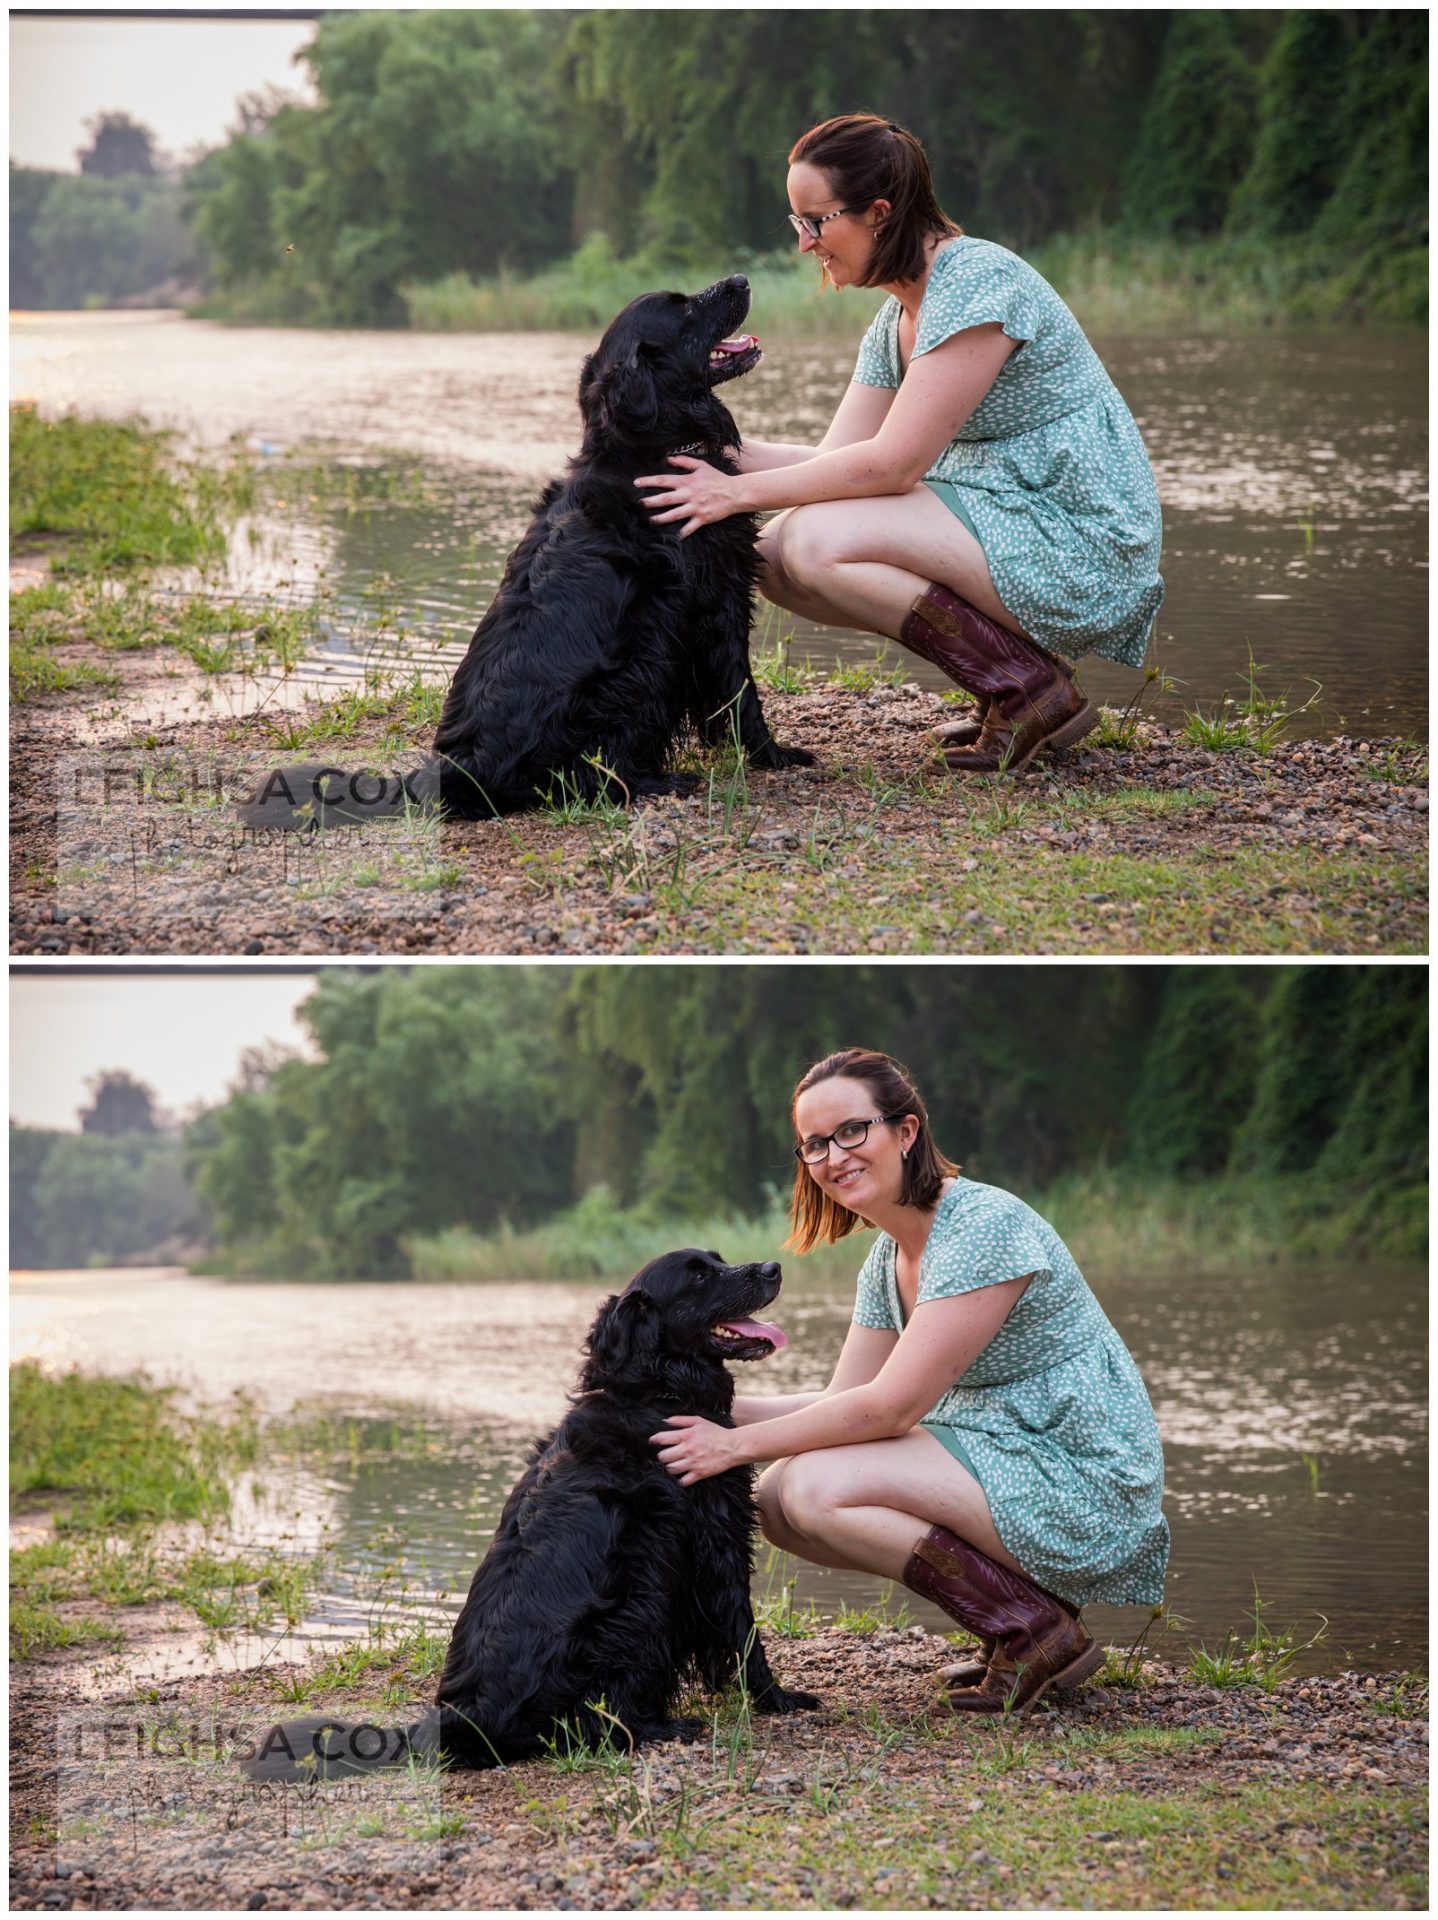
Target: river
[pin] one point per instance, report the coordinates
(1292, 1405)
(1292, 468)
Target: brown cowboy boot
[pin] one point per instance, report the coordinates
(1029, 699)
(970, 1672)
(966, 732)
(1039, 1643)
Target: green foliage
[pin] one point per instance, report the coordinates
(573, 1121)
(437, 1100)
(453, 160)
(116, 1451)
(93, 1199)
(1197, 135)
(92, 241)
(1298, 156)
(1197, 1077)
(111, 488)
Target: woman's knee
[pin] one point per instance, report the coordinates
(811, 543)
(769, 1502)
(807, 1493)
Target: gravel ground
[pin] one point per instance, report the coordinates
(1316, 846)
(1165, 1794)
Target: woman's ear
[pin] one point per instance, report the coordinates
(908, 1132)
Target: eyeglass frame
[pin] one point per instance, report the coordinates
(809, 223)
(879, 1120)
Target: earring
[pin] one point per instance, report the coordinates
(903, 1153)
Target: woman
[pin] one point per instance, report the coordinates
(986, 1437)
(982, 494)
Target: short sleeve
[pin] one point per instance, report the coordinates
(878, 362)
(871, 1300)
(981, 286)
(991, 1240)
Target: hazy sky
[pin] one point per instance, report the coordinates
(180, 78)
(181, 1034)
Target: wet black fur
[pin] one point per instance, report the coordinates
(609, 636)
(607, 1583)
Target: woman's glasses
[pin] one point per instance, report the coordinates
(851, 1134)
(810, 223)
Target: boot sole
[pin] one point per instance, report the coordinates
(1084, 721)
(1064, 1681)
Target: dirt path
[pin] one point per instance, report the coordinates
(1164, 1794)
(1313, 847)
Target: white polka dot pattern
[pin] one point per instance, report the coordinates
(1053, 1413)
(1050, 464)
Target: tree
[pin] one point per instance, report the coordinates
(96, 241)
(119, 1104)
(1195, 1084)
(1198, 130)
(1298, 156)
(118, 146)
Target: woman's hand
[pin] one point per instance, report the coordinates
(698, 495)
(698, 1450)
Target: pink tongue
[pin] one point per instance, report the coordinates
(741, 345)
(759, 1330)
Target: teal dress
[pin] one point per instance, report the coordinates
(1049, 471)
(1052, 1417)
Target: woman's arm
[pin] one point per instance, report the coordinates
(939, 392)
(940, 1343)
(859, 416)
(750, 1407)
(864, 1352)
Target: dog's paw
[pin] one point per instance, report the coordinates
(687, 1730)
(773, 757)
(679, 785)
(783, 1700)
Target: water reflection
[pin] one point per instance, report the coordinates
(1292, 1405)
(1292, 466)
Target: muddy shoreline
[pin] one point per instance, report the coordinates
(1161, 1794)
(1160, 846)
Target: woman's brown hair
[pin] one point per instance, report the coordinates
(869, 159)
(817, 1219)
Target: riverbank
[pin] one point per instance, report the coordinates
(144, 1658)
(1115, 282)
(1140, 841)
(1163, 1794)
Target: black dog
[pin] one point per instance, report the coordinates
(607, 1583)
(609, 635)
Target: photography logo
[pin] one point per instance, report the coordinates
(232, 847)
(158, 1791)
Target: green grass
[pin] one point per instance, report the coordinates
(1260, 1659)
(1241, 1844)
(600, 1240)
(114, 1452)
(584, 292)
(112, 494)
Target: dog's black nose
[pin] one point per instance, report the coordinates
(770, 1270)
(738, 280)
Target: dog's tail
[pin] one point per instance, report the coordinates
(324, 1747)
(316, 794)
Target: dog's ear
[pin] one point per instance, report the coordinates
(623, 1340)
(623, 399)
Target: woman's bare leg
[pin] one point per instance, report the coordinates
(865, 1506)
(863, 563)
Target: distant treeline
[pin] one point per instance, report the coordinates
(476, 143)
(458, 1098)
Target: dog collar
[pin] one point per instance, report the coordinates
(696, 447)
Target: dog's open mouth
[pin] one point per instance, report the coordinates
(734, 356)
(735, 1334)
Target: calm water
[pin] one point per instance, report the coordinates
(1292, 468)
(1252, 1376)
